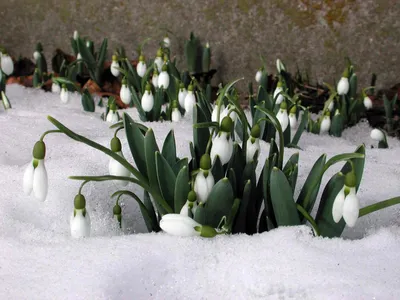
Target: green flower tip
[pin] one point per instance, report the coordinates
(155, 72)
(39, 150)
(159, 52)
(327, 113)
(164, 68)
(190, 88)
(255, 131)
(141, 58)
(39, 47)
(205, 161)
(350, 179)
(165, 57)
(115, 144)
(114, 58)
(124, 81)
(206, 231)
(181, 86)
(346, 73)
(293, 110)
(79, 202)
(283, 105)
(174, 104)
(226, 124)
(113, 106)
(64, 86)
(280, 84)
(192, 197)
(36, 70)
(117, 210)
(148, 87)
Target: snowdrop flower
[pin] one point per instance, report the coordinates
(180, 225)
(115, 66)
(282, 116)
(112, 115)
(343, 84)
(258, 76)
(182, 94)
(154, 78)
(292, 117)
(253, 144)
(166, 42)
(379, 136)
(7, 65)
(190, 100)
(114, 167)
(36, 56)
(64, 94)
(76, 35)
(331, 105)
(125, 93)
(222, 145)
(367, 102)
(204, 180)
(346, 203)
(147, 99)
(80, 221)
(35, 176)
(175, 114)
(214, 114)
(190, 206)
(55, 88)
(79, 57)
(325, 123)
(280, 66)
(158, 61)
(117, 212)
(228, 111)
(163, 78)
(277, 96)
(141, 66)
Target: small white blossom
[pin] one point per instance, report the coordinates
(125, 93)
(377, 135)
(325, 124)
(222, 146)
(283, 118)
(80, 223)
(203, 185)
(179, 225)
(367, 102)
(147, 101)
(7, 65)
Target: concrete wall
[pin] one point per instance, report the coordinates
(316, 35)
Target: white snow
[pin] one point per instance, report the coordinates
(39, 259)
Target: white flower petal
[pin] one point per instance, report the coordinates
(258, 76)
(154, 80)
(367, 103)
(163, 80)
(325, 125)
(181, 97)
(279, 98)
(283, 119)
(159, 63)
(64, 96)
(28, 179)
(200, 187)
(116, 169)
(179, 225)
(292, 121)
(55, 88)
(337, 208)
(343, 86)
(351, 209)
(7, 64)
(125, 94)
(147, 101)
(114, 68)
(79, 224)
(251, 149)
(377, 135)
(185, 209)
(223, 147)
(190, 101)
(141, 68)
(175, 115)
(40, 181)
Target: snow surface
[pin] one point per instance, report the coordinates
(39, 259)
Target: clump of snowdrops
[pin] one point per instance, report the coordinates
(216, 190)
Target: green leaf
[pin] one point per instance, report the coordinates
(324, 219)
(87, 101)
(166, 179)
(337, 125)
(378, 206)
(150, 149)
(358, 164)
(282, 200)
(217, 169)
(309, 192)
(179, 165)
(301, 128)
(169, 148)
(200, 135)
(182, 189)
(241, 218)
(232, 179)
(87, 56)
(218, 205)
(136, 143)
(150, 208)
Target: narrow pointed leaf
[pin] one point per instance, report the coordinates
(182, 189)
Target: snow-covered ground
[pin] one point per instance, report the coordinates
(39, 259)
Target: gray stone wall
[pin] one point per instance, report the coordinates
(315, 35)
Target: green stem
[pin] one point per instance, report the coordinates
(47, 132)
(116, 131)
(309, 218)
(80, 188)
(377, 206)
(107, 178)
(97, 146)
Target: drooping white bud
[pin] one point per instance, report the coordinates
(367, 102)
(55, 88)
(377, 135)
(64, 95)
(325, 125)
(7, 65)
(190, 101)
(351, 208)
(125, 93)
(80, 223)
(147, 101)
(283, 118)
(343, 86)
(175, 115)
(292, 121)
(179, 225)
(258, 76)
(337, 208)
